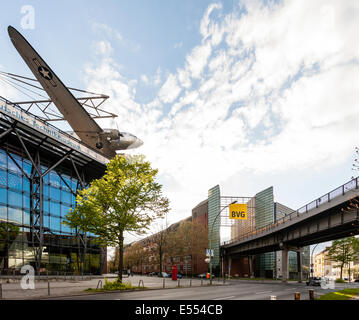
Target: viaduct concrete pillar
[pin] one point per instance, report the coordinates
(285, 265)
(251, 266)
(229, 265)
(299, 263)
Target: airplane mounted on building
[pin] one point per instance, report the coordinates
(107, 141)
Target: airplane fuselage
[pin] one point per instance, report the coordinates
(106, 141)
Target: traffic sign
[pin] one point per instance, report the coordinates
(238, 211)
(207, 253)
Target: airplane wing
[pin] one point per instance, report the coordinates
(75, 114)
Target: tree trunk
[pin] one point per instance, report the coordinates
(160, 254)
(349, 273)
(341, 272)
(120, 260)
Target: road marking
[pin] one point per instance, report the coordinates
(290, 289)
(224, 298)
(264, 292)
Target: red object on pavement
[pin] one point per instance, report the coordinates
(174, 272)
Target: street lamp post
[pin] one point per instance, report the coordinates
(210, 241)
(312, 264)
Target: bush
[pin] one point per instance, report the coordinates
(115, 285)
(112, 286)
(339, 281)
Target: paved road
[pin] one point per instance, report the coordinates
(235, 290)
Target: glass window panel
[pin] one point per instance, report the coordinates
(45, 178)
(26, 201)
(45, 191)
(55, 208)
(25, 184)
(55, 193)
(65, 228)
(66, 196)
(15, 215)
(74, 184)
(64, 210)
(3, 195)
(27, 166)
(46, 221)
(15, 181)
(12, 166)
(3, 161)
(46, 205)
(73, 200)
(27, 217)
(14, 198)
(54, 179)
(3, 212)
(3, 177)
(67, 185)
(55, 223)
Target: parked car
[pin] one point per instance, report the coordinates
(204, 275)
(152, 274)
(179, 276)
(163, 275)
(314, 281)
(356, 280)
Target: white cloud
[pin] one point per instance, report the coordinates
(145, 79)
(103, 48)
(170, 89)
(113, 34)
(271, 90)
(197, 60)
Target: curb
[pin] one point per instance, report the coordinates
(105, 292)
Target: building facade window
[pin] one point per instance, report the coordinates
(61, 248)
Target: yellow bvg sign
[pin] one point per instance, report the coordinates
(238, 211)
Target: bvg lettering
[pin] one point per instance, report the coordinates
(238, 214)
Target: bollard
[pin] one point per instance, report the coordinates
(273, 297)
(178, 283)
(48, 287)
(164, 282)
(201, 282)
(311, 294)
(190, 282)
(100, 283)
(296, 296)
(0, 291)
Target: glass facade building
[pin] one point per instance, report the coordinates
(62, 250)
(214, 203)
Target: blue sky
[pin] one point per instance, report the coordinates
(245, 94)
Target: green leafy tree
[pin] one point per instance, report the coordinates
(126, 198)
(343, 251)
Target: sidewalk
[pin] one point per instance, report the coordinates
(13, 291)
